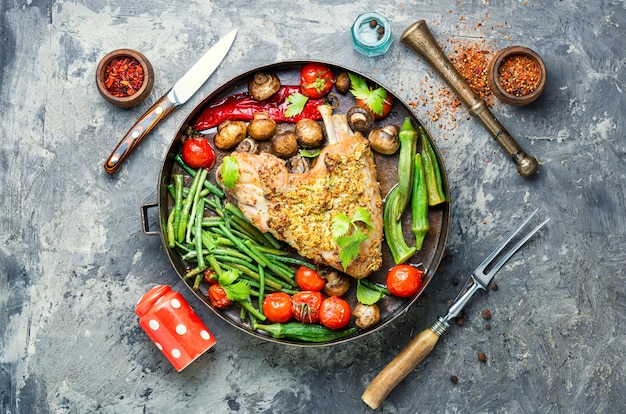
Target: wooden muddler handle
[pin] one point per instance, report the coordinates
(402, 365)
(418, 37)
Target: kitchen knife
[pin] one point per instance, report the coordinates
(180, 93)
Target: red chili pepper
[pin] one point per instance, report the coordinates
(242, 107)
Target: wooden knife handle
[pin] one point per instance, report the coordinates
(401, 366)
(157, 112)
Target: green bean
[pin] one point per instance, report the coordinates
(184, 215)
(198, 234)
(178, 199)
(261, 287)
(194, 207)
(207, 184)
(170, 232)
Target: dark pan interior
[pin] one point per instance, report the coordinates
(439, 217)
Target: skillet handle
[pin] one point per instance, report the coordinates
(148, 121)
(403, 364)
(145, 223)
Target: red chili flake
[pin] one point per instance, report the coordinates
(519, 75)
(123, 76)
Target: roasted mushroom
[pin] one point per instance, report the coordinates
(247, 145)
(297, 165)
(337, 284)
(342, 83)
(385, 140)
(360, 118)
(366, 316)
(230, 134)
(309, 133)
(263, 85)
(262, 127)
(285, 144)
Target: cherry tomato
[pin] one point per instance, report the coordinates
(277, 307)
(316, 80)
(210, 276)
(309, 279)
(387, 104)
(198, 153)
(306, 306)
(404, 280)
(218, 298)
(335, 313)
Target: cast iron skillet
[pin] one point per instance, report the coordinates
(439, 217)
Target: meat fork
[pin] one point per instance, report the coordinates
(423, 343)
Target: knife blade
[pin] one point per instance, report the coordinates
(180, 93)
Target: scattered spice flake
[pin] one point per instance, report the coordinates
(519, 75)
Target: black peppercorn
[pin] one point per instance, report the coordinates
(486, 314)
(493, 286)
(482, 357)
(373, 23)
(454, 379)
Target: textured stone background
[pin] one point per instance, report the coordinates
(73, 259)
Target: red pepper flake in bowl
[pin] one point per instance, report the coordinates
(124, 76)
(519, 75)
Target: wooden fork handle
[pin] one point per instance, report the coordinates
(400, 367)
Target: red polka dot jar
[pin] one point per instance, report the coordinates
(173, 326)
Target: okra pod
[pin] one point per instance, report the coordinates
(408, 145)
(304, 332)
(432, 172)
(393, 229)
(419, 204)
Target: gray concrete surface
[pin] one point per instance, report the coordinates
(74, 261)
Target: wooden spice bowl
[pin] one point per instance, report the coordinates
(517, 75)
(140, 94)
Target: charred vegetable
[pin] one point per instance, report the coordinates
(309, 133)
(384, 140)
(360, 118)
(263, 85)
(230, 134)
(262, 127)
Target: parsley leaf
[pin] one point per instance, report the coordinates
(296, 104)
(230, 171)
(235, 291)
(373, 98)
(366, 295)
(348, 236)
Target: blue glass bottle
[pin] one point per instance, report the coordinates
(366, 38)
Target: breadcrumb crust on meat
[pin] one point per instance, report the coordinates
(304, 214)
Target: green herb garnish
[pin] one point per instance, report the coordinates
(234, 290)
(230, 171)
(296, 104)
(373, 98)
(348, 235)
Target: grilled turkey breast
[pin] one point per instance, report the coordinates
(299, 208)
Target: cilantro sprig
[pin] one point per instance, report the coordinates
(373, 98)
(296, 104)
(235, 290)
(348, 235)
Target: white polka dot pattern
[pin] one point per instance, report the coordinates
(181, 329)
(176, 353)
(205, 335)
(154, 324)
(175, 303)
